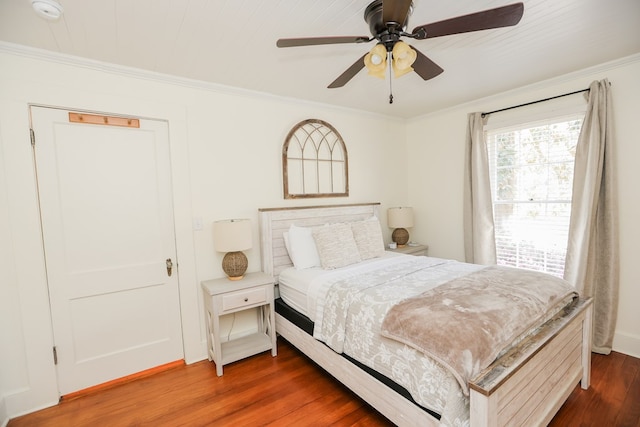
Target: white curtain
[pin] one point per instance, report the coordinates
(592, 262)
(479, 235)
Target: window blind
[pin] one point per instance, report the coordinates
(531, 167)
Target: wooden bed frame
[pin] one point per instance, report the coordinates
(526, 386)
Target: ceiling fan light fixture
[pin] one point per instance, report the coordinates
(50, 10)
(388, 19)
(376, 61)
(403, 58)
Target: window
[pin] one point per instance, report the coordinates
(531, 168)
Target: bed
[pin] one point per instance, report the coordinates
(525, 385)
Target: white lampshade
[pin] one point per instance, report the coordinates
(232, 235)
(401, 217)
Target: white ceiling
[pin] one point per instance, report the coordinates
(232, 42)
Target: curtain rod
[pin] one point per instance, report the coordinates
(535, 102)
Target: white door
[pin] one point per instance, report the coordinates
(107, 221)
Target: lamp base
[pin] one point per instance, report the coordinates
(234, 264)
(400, 236)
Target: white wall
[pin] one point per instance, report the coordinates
(9, 310)
(225, 152)
(435, 164)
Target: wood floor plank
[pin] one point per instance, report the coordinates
(602, 404)
(629, 414)
(291, 390)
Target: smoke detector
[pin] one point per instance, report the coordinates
(50, 10)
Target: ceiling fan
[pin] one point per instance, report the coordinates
(388, 20)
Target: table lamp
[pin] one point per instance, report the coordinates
(233, 236)
(400, 219)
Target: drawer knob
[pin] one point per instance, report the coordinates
(246, 299)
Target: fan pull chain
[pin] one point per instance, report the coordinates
(389, 59)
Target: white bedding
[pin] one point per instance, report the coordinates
(293, 286)
(300, 288)
(430, 384)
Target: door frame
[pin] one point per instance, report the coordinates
(191, 312)
(164, 351)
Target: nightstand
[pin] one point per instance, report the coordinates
(221, 297)
(411, 250)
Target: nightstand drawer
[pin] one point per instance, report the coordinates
(244, 298)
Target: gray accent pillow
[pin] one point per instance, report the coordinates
(368, 237)
(336, 245)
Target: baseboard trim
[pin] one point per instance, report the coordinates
(628, 344)
(123, 380)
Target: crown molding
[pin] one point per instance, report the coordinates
(541, 85)
(153, 76)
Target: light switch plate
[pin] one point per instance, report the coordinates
(197, 223)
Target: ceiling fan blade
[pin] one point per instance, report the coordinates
(311, 41)
(395, 11)
(504, 16)
(349, 73)
(424, 67)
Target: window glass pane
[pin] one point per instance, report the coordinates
(531, 181)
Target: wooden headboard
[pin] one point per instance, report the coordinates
(275, 221)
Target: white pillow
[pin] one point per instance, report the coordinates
(285, 237)
(336, 245)
(368, 237)
(302, 247)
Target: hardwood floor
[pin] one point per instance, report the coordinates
(290, 390)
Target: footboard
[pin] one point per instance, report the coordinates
(530, 383)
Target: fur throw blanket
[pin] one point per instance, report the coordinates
(466, 323)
